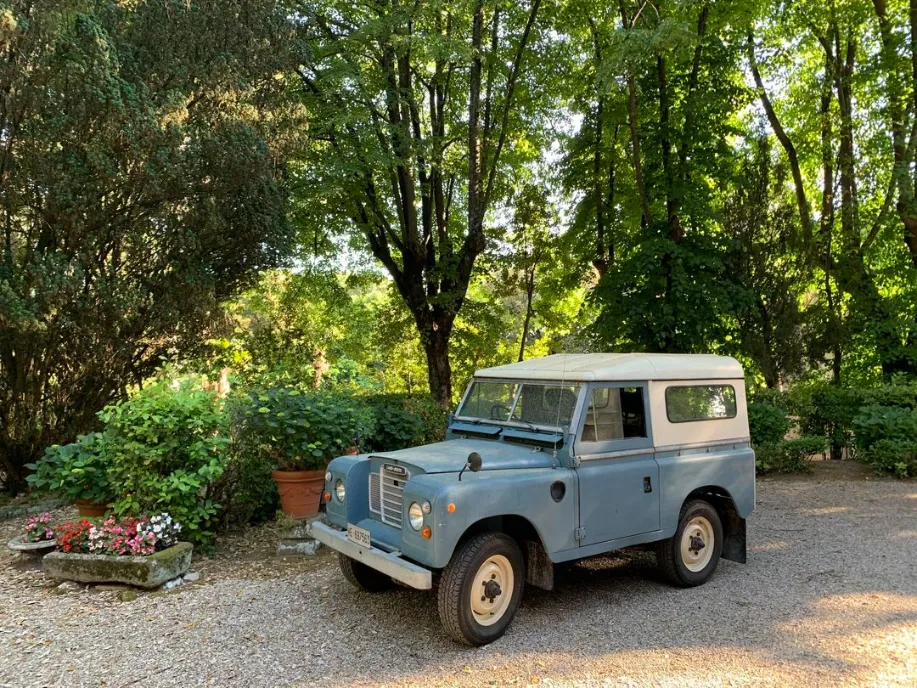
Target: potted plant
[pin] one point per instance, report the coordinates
(141, 551)
(78, 471)
(299, 432)
(38, 537)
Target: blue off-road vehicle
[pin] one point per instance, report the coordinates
(547, 461)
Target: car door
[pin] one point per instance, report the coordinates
(616, 465)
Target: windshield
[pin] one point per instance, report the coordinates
(548, 404)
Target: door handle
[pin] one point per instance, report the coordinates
(647, 484)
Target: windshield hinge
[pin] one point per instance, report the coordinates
(580, 534)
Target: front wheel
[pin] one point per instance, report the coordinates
(691, 556)
(480, 589)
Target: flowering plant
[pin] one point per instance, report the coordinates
(121, 538)
(164, 530)
(38, 528)
(124, 537)
(73, 536)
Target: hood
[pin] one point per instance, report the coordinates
(452, 455)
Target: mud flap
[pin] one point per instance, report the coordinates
(734, 543)
(539, 569)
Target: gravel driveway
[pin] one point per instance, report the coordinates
(829, 597)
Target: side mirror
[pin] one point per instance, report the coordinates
(474, 462)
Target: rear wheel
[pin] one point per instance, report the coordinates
(362, 576)
(691, 556)
(480, 589)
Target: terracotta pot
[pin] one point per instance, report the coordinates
(300, 491)
(89, 509)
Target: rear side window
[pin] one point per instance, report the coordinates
(703, 402)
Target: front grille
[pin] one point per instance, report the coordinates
(386, 494)
(375, 495)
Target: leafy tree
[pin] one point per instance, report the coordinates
(416, 113)
(139, 184)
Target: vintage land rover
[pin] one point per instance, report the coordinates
(547, 461)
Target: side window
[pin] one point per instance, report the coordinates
(614, 413)
(703, 402)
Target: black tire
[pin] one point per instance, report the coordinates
(669, 554)
(362, 576)
(455, 588)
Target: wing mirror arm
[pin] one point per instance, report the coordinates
(473, 464)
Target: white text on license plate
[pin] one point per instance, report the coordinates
(359, 535)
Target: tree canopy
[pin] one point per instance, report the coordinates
(449, 185)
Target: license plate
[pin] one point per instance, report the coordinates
(359, 535)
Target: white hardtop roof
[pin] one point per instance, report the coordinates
(611, 367)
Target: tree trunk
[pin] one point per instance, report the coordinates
(439, 368)
(529, 311)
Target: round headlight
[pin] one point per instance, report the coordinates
(415, 516)
(339, 490)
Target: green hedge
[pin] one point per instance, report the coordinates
(166, 446)
(877, 425)
(403, 420)
(768, 423)
(886, 438)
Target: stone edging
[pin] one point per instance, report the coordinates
(10, 512)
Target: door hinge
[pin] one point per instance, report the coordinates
(575, 461)
(580, 534)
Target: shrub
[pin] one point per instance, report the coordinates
(77, 470)
(829, 413)
(404, 420)
(768, 424)
(297, 430)
(788, 456)
(245, 491)
(898, 393)
(886, 438)
(896, 456)
(167, 446)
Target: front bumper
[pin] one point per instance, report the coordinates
(385, 562)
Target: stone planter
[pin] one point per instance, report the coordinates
(19, 544)
(144, 572)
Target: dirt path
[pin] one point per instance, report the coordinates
(829, 597)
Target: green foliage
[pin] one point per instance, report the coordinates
(767, 423)
(403, 420)
(167, 446)
(295, 429)
(896, 456)
(886, 437)
(788, 456)
(829, 412)
(77, 470)
(246, 491)
(140, 184)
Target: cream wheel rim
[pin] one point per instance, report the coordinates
(492, 590)
(697, 544)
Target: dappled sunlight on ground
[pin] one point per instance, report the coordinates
(873, 635)
(767, 546)
(826, 510)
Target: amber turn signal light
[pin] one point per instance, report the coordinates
(451, 508)
(427, 532)
(327, 496)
